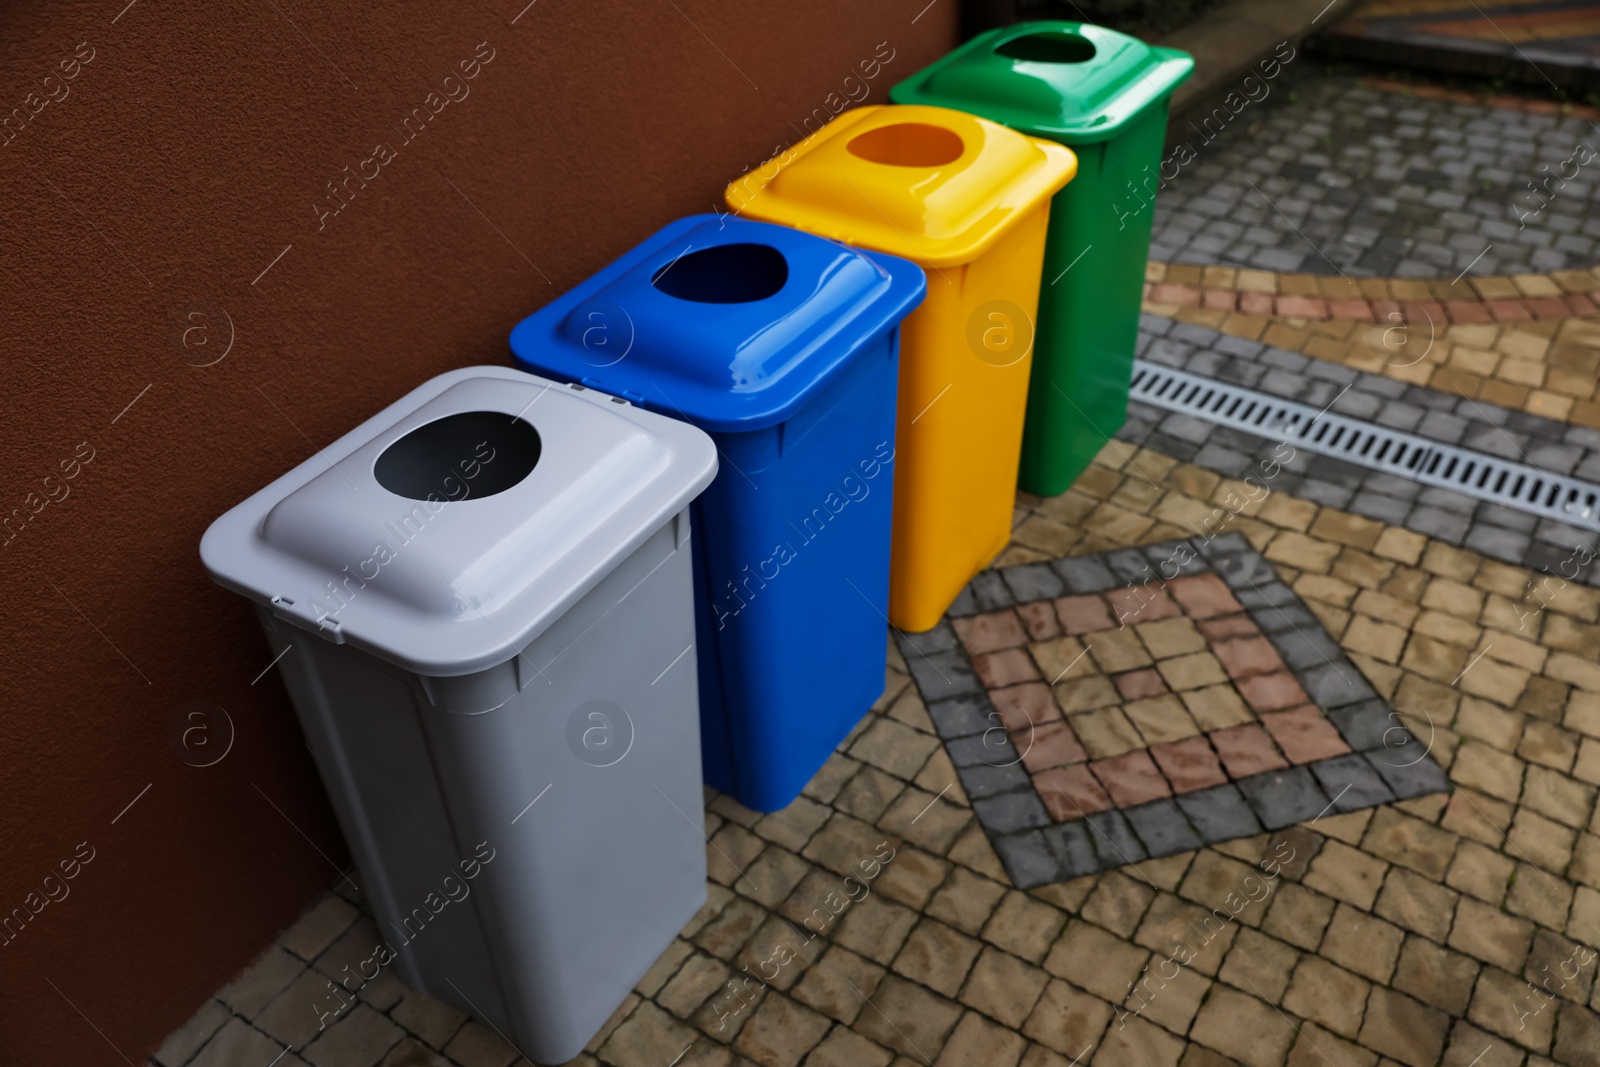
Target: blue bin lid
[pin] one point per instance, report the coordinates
(727, 323)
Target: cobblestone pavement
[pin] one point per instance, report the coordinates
(1349, 180)
(1405, 933)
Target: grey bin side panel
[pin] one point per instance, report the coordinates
(373, 758)
(588, 886)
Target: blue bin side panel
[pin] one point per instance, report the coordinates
(792, 584)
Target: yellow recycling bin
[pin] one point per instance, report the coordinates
(967, 200)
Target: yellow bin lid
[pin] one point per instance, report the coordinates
(936, 186)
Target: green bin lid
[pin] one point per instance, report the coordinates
(1067, 81)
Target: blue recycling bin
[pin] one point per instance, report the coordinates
(784, 347)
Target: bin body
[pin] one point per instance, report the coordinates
(498, 722)
(1105, 95)
(797, 389)
(968, 202)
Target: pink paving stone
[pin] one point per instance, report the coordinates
(1204, 596)
(1008, 667)
(1131, 778)
(1039, 620)
(1272, 692)
(1136, 685)
(1050, 745)
(1247, 656)
(1070, 792)
(1189, 764)
(1255, 303)
(1083, 614)
(991, 632)
(1302, 307)
(1422, 311)
(1218, 299)
(1547, 307)
(1581, 305)
(1387, 311)
(1304, 735)
(1168, 293)
(1466, 311)
(1021, 707)
(1507, 310)
(1246, 750)
(1141, 603)
(1359, 310)
(1228, 626)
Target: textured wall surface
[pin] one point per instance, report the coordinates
(167, 170)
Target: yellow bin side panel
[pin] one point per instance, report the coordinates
(960, 428)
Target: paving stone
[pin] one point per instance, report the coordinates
(1351, 783)
(1280, 798)
(1220, 813)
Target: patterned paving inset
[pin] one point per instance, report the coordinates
(1104, 710)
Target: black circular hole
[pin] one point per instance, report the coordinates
(724, 274)
(458, 457)
(1049, 47)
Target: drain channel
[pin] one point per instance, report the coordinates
(1404, 455)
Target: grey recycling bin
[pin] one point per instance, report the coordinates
(482, 599)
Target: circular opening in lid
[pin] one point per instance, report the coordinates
(908, 144)
(469, 454)
(724, 274)
(1050, 46)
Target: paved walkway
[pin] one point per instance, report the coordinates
(1235, 756)
(1537, 38)
(1361, 183)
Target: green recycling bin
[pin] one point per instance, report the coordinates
(1104, 95)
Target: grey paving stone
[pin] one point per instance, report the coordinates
(1305, 647)
(1365, 726)
(1380, 508)
(1085, 575)
(1171, 559)
(1435, 522)
(1265, 597)
(1335, 684)
(1507, 546)
(991, 592)
(1351, 783)
(1032, 581)
(1504, 517)
(1432, 496)
(1410, 779)
(961, 717)
(942, 638)
(942, 675)
(986, 780)
(1187, 428)
(1276, 620)
(1283, 798)
(1162, 828)
(1028, 859)
(989, 748)
(1006, 813)
(1219, 813)
(1073, 848)
(1113, 839)
(965, 604)
(1223, 461)
(1129, 565)
(1326, 493)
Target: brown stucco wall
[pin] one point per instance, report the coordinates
(184, 155)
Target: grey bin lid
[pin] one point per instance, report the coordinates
(528, 514)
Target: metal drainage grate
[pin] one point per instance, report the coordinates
(1401, 454)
